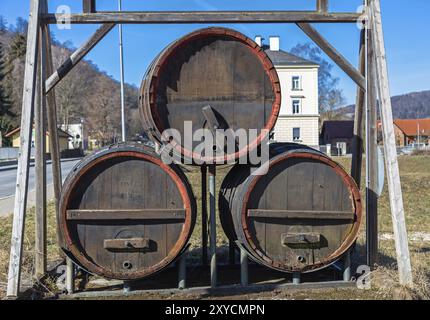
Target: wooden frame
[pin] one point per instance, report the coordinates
(89, 6)
(172, 17)
(39, 43)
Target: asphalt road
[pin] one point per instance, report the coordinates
(8, 178)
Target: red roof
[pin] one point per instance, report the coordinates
(410, 127)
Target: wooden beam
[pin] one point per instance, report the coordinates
(357, 139)
(295, 214)
(54, 147)
(77, 56)
(138, 214)
(21, 191)
(40, 168)
(390, 152)
(371, 160)
(340, 60)
(89, 6)
(205, 17)
(322, 5)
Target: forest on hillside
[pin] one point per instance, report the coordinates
(414, 105)
(86, 93)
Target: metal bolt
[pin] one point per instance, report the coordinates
(127, 265)
(301, 259)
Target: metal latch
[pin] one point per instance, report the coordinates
(300, 238)
(126, 244)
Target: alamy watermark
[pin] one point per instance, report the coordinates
(206, 145)
(64, 14)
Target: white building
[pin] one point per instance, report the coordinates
(299, 116)
(76, 132)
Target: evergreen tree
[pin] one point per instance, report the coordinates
(5, 99)
(3, 24)
(21, 26)
(18, 47)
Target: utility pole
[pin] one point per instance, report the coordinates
(121, 58)
(418, 133)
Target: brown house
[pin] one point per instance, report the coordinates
(338, 133)
(63, 139)
(408, 131)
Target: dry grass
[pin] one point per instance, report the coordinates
(28, 250)
(415, 177)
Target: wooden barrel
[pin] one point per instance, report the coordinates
(124, 214)
(303, 215)
(214, 77)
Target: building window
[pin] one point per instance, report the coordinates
(296, 106)
(296, 83)
(296, 134)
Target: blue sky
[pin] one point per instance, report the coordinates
(406, 26)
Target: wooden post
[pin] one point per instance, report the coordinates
(357, 140)
(206, 17)
(40, 167)
(322, 5)
(390, 152)
(331, 51)
(55, 154)
(21, 190)
(371, 160)
(52, 124)
(76, 56)
(89, 6)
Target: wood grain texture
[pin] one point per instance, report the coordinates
(332, 52)
(301, 196)
(124, 193)
(40, 168)
(390, 151)
(21, 191)
(77, 56)
(127, 214)
(357, 139)
(206, 17)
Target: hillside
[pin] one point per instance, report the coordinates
(86, 93)
(413, 105)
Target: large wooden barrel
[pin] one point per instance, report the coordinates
(124, 214)
(217, 68)
(303, 215)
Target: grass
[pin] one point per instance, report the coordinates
(415, 177)
(28, 249)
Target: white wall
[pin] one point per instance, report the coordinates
(309, 130)
(309, 93)
(308, 118)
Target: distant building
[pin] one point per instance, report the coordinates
(409, 131)
(299, 116)
(338, 134)
(76, 141)
(63, 138)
